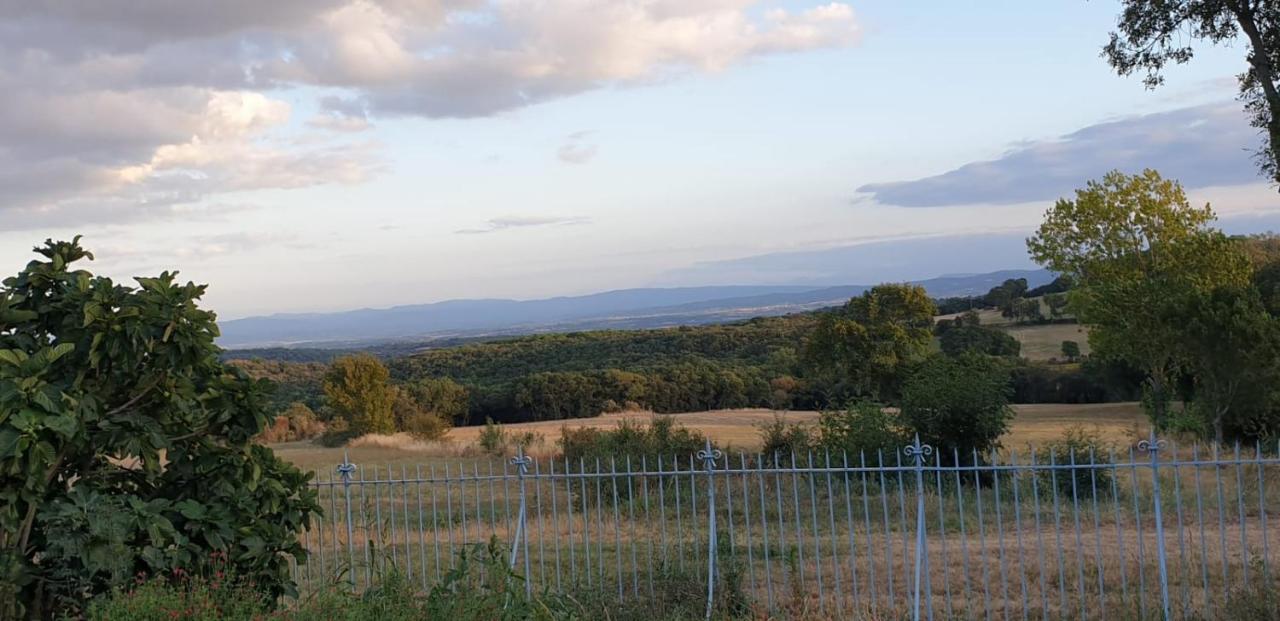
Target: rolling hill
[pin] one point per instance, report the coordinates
(621, 309)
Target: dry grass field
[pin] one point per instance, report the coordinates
(1041, 342)
(1044, 342)
(1118, 423)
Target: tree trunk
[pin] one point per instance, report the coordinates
(1265, 74)
(1217, 425)
(1159, 412)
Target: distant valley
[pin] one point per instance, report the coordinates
(621, 309)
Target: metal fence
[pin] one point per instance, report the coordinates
(1152, 532)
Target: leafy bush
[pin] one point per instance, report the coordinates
(337, 433)
(424, 425)
(958, 405)
(778, 438)
(419, 422)
(126, 445)
(480, 586)
(661, 437)
(296, 423)
(1083, 447)
(493, 438)
(862, 428)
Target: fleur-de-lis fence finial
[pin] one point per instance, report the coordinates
(709, 456)
(521, 461)
(917, 451)
(346, 469)
(1151, 445)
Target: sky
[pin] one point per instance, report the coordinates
(318, 155)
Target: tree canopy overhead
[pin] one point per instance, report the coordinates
(1151, 34)
(125, 444)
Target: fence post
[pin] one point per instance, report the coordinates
(709, 456)
(346, 469)
(1153, 446)
(919, 452)
(521, 541)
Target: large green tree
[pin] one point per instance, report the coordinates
(356, 388)
(1132, 243)
(1150, 34)
(1231, 348)
(866, 346)
(125, 444)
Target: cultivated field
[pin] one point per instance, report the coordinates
(1118, 423)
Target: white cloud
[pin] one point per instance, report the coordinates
(118, 101)
(513, 222)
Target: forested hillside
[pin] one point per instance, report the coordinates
(755, 363)
(578, 374)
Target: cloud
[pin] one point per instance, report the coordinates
(121, 103)
(512, 222)
(1201, 146)
(577, 150)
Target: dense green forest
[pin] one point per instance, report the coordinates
(754, 363)
(580, 374)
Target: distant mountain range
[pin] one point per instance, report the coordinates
(626, 308)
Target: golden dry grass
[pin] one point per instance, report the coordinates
(1043, 342)
(1116, 423)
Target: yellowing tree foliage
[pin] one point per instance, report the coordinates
(1133, 244)
(357, 389)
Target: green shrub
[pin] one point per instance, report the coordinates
(493, 438)
(778, 438)
(661, 437)
(338, 433)
(480, 586)
(958, 405)
(862, 428)
(1084, 447)
(425, 425)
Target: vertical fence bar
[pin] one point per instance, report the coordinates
(817, 551)
(1075, 516)
(345, 470)
(1004, 566)
(1017, 529)
(764, 526)
(918, 453)
(521, 540)
(1182, 545)
(709, 456)
(1152, 446)
(1262, 515)
(964, 535)
(746, 522)
(1204, 548)
(539, 519)
(866, 515)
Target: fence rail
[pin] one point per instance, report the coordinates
(1156, 532)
